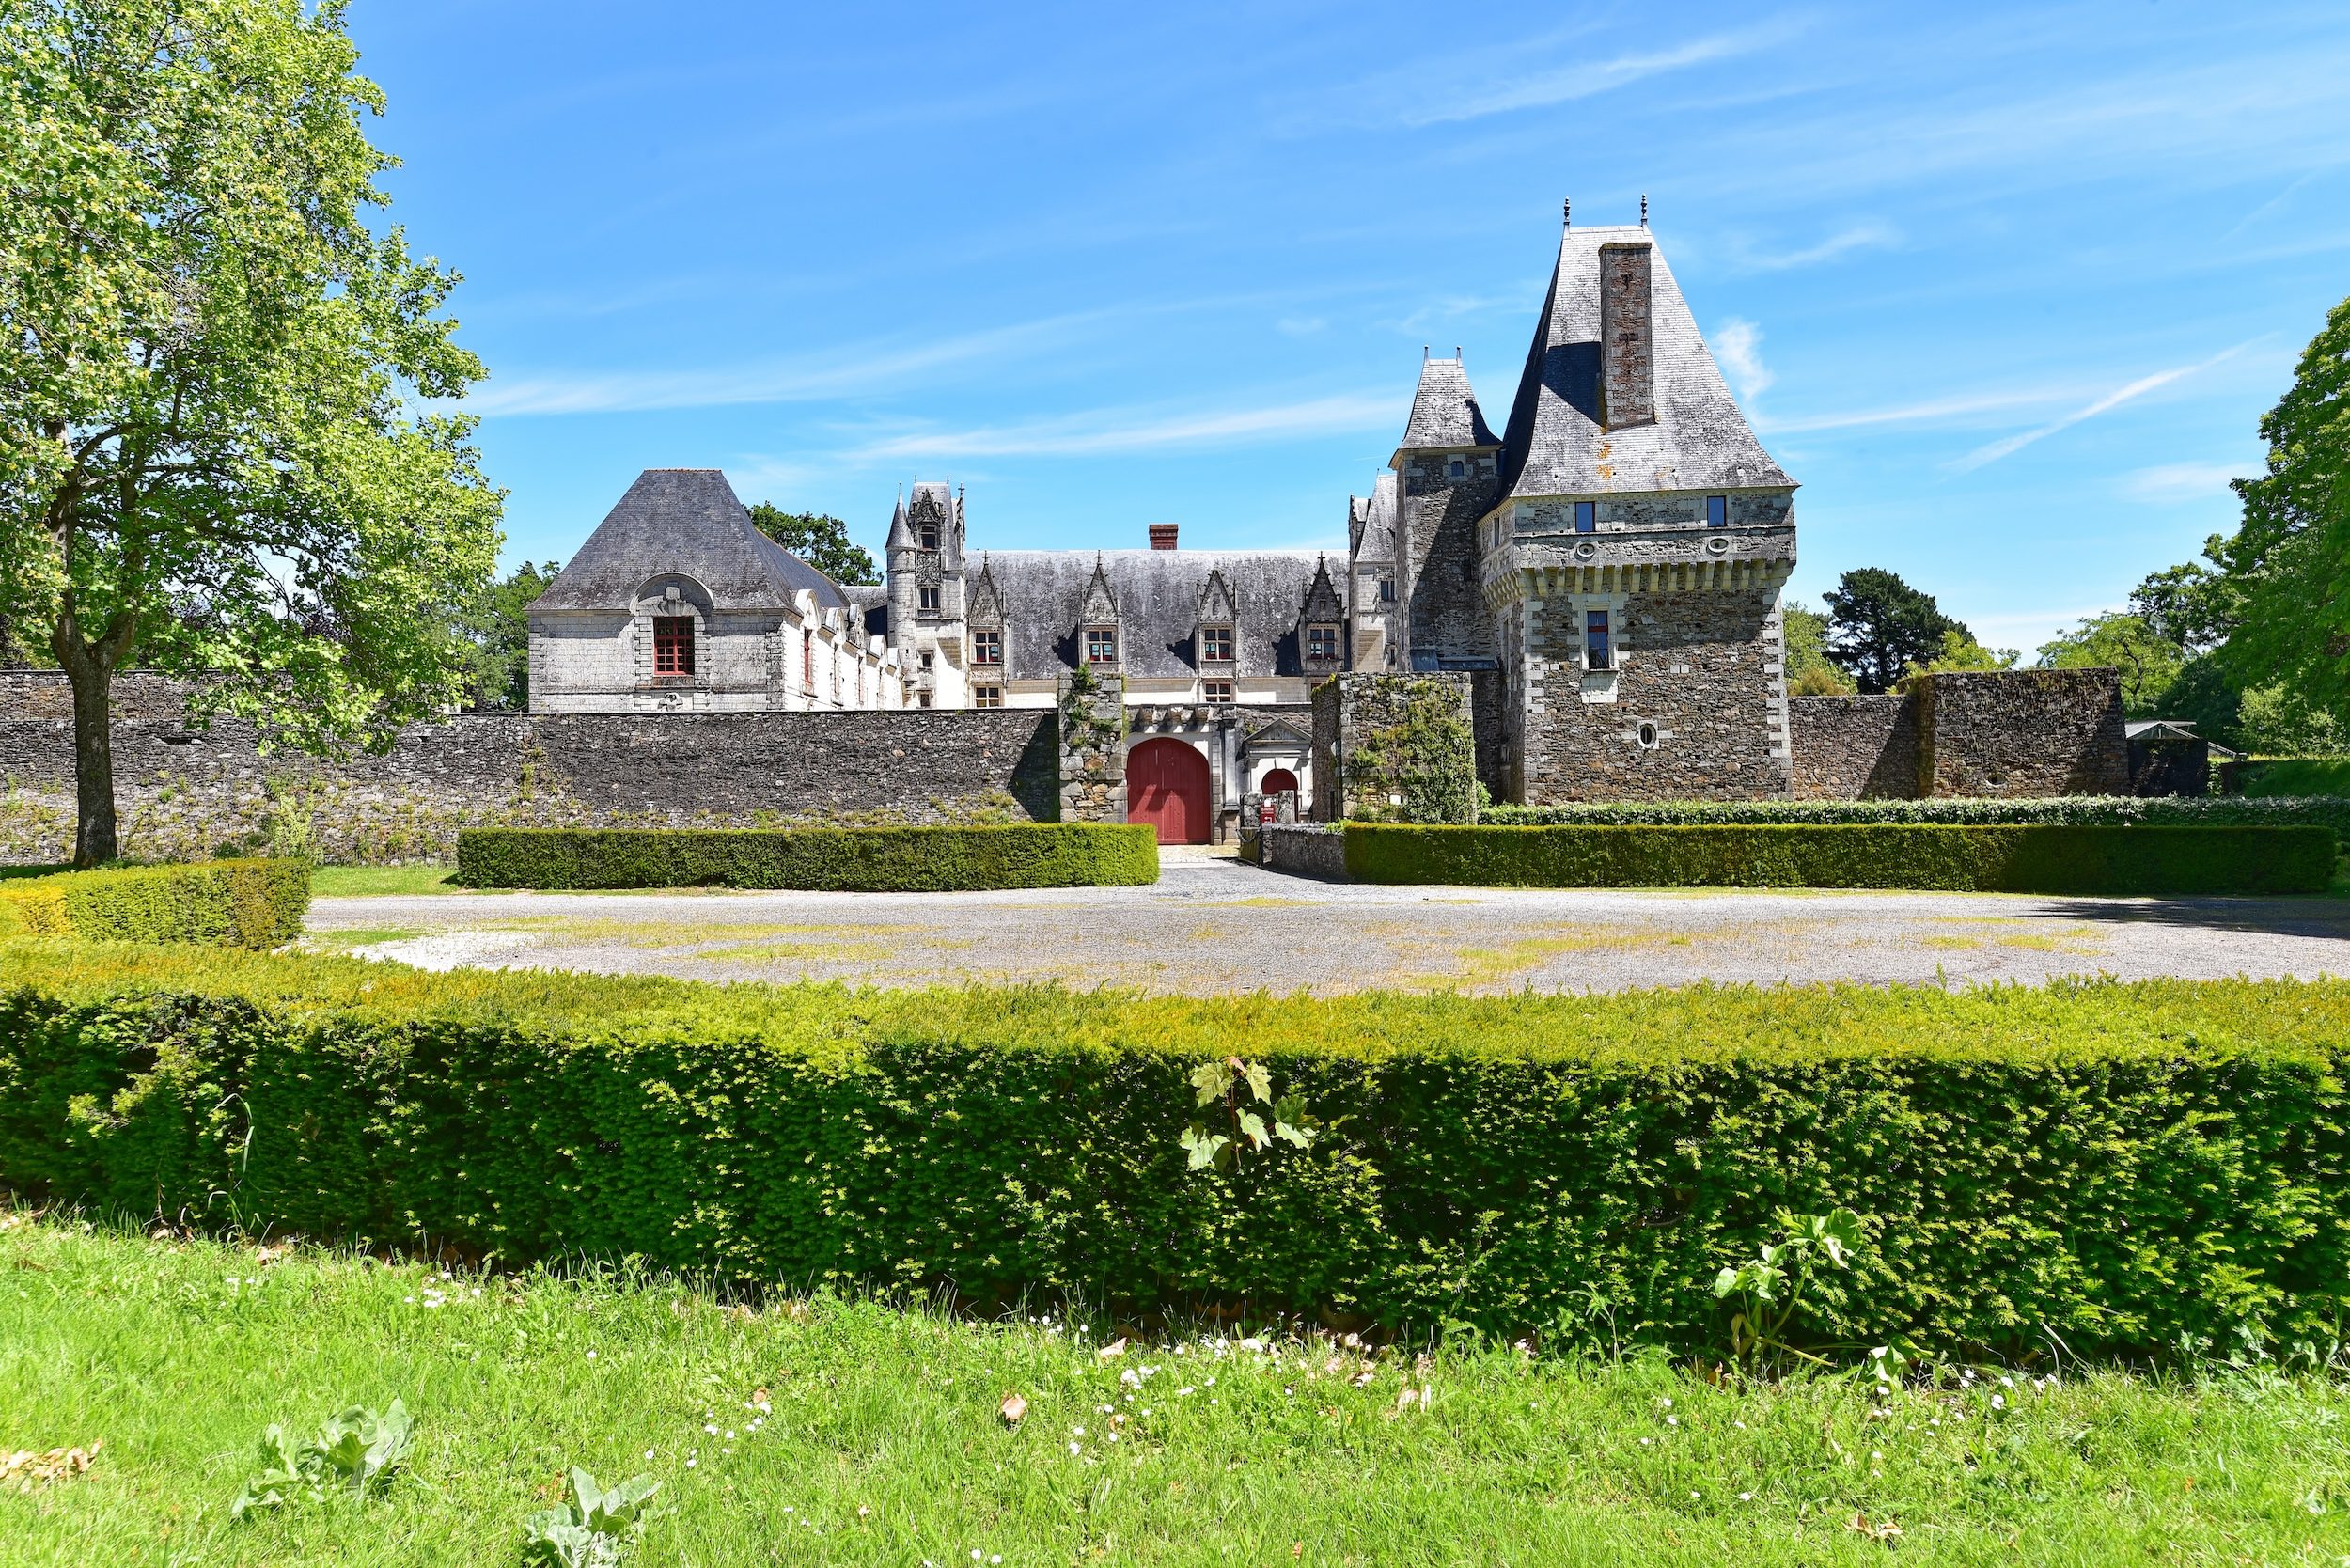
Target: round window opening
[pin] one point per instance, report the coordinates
(1648, 734)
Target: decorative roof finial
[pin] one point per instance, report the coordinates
(1423, 353)
(1643, 209)
(1456, 351)
(1566, 211)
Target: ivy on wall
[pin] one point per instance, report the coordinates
(1414, 755)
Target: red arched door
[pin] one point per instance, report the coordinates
(1166, 786)
(1276, 781)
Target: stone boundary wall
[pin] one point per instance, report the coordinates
(2016, 734)
(139, 694)
(187, 794)
(1853, 748)
(1305, 850)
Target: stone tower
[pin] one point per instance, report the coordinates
(923, 569)
(1634, 553)
(1446, 472)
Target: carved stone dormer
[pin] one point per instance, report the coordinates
(1322, 625)
(928, 520)
(1099, 638)
(1215, 632)
(987, 622)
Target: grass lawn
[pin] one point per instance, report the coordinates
(826, 1431)
(350, 882)
(2298, 776)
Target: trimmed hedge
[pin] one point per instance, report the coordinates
(241, 903)
(1966, 859)
(845, 859)
(2121, 1164)
(2328, 811)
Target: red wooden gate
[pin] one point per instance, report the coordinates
(1166, 786)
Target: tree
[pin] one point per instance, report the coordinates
(497, 632)
(2291, 558)
(2190, 606)
(2149, 663)
(209, 454)
(820, 540)
(1805, 639)
(1879, 626)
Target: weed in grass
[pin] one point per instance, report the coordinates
(831, 1430)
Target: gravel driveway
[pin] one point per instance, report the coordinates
(1212, 925)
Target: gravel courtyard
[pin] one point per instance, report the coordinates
(1213, 924)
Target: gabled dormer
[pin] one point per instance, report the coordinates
(1322, 625)
(1099, 638)
(1215, 635)
(987, 624)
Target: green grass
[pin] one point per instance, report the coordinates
(2297, 775)
(359, 882)
(882, 1442)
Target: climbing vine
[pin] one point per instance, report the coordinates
(1419, 767)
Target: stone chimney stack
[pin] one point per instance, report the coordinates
(1627, 338)
(1163, 536)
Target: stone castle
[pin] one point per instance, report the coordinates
(1606, 568)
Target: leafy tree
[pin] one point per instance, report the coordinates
(1959, 653)
(820, 540)
(2276, 720)
(2149, 663)
(2191, 606)
(208, 454)
(2291, 559)
(1878, 626)
(2207, 694)
(497, 632)
(1805, 639)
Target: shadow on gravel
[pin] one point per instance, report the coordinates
(2315, 915)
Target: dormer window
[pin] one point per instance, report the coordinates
(673, 645)
(1100, 646)
(987, 648)
(1322, 644)
(1215, 644)
(1586, 517)
(1717, 511)
(928, 536)
(928, 600)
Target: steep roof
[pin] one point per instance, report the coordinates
(1444, 409)
(1377, 542)
(685, 521)
(1158, 600)
(1554, 445)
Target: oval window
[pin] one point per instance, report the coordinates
(1648, 734)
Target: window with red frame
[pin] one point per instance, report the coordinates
(673, 645)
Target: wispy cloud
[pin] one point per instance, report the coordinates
(804, 378)
(1933, 411)
(1863, 236)
(1126, 431)
(1300, 326)
(2182, 481)
(2008, 445)
(1739, 347)
(1504, 90)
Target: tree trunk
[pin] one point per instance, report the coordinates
(94, 839)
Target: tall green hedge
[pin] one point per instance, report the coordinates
(2327, 811)
(850, 859)
(2145, 860)
(2116, 1164)
(244, 904)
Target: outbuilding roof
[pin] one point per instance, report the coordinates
(1554, 446)
(687, 522)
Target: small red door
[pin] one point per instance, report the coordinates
(1277, 780)
(1166, 786)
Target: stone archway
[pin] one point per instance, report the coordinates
(1169, 787)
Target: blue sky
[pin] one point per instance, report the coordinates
(2007, 289)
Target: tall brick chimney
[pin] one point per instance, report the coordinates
(1163, 536)
(1627, 341)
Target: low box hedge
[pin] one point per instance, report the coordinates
(242, 903)
(847, 859)
(2308, 810)
(2118, 1165)
(2113, 860)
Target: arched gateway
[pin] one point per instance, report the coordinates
(1168, 786)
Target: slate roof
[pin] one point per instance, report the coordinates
(685, 521)
(1158, 598)
(869, 603)
(1554, 445)
(1445, 411)
(1378, 538)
